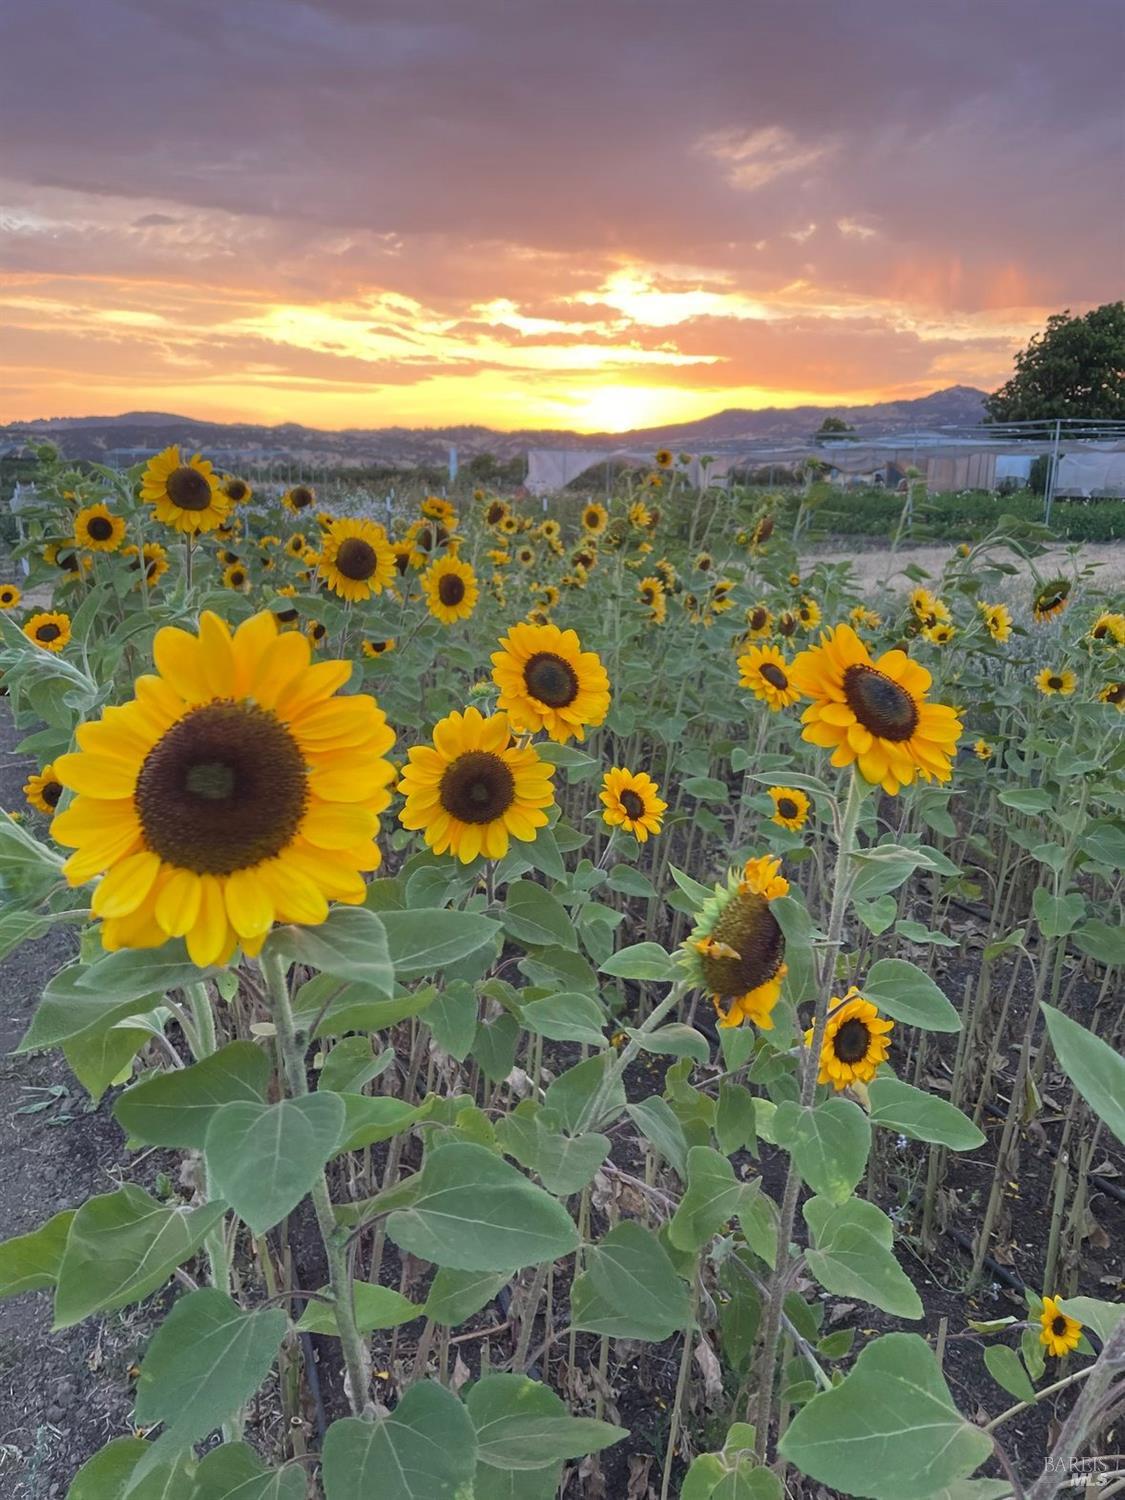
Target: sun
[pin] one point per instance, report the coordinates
(619, 408)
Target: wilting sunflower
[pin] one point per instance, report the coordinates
(236, 577)
(759, 622)
(43, 790)
(1060, 1334)
(855, 1042)
(1113, 692)
(155, 563)
(1051, 599)
(356, 559)
(874, 713)
(736, 950)
(632, 801)
(787, 623)
(1109, 628)
(299, 497)
(450, 586)
(763, 530)
(10, 596)
(663, 459)
(440, 510)
(547, 682)
(235, 790)
(472, 789)
(790, 807)
(861, 615)
(997, 620)
(184, 493)
(237, 491)
(766, 673)
(49, 630)
(1056, 680)
(98, 530)
(595, 518)
(377, 648)
(983, 750)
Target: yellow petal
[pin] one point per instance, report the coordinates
(125, 887)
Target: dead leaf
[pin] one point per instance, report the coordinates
(711, 1370)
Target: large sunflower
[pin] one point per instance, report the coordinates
(874, 713)
(233, 791)
(43, 790)
(472, 789)
(855, 1041)
(736, 950)
(356, 559)
(632, 802)
(450, 586)
(98, 530)
(1060, 1333)
(766, 673)
(548, 682)
(185, 493)
(50, 630)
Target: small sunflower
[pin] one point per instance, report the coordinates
(437, 509)
(49, 630)
(654, 481)
(510, 525)
(547, 682)
(405, 557)
(316, 632)
(663, 459)
(1051, 599)
(299, 497)
(940, 634)
(651, 593)
(472, 789)
(765, 672)
(855, 1042)
(184, 493)
(237, 491)
(983, 750)
(928, 609)
(787, 623)
(356, 559)
(1108, 627)
(759, 622)
(235, 790)
(639, 515)
(450, 586)
(736, 951)
(495, 512)
(632, 802)
(43, 790)
(790, 807)
(10, 596)
(227, 557)
(808, 612)
(377, 648)
(98, 530)
(550, 530)
(874, 713)
(763, 530)
(155, 559)
(1060, 1334)
(704, 562)
(1114, 693)
(867, 618)
(595, 518)
(997, 620)
(667, 574)
(296, 545)
(236, 577)
(1061, 681)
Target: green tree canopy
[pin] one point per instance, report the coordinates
(1074, 368)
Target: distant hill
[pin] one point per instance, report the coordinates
(126, 438)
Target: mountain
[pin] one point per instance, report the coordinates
(124, 439)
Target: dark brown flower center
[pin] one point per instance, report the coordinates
(764, 529)
(1058, 1326)
(188, 488)
(851, 1041)
(357, 559)
(402, 558)
(99, 528)
(703, 563)
(748, 927)
(285, 616)
(551, 679)
(236, 490)
(237, 578)
(224, 789)
(633, 804)
(451, 589)
(300, 497)
(48, 632)
(69, 562)
(1054, 683)
(758, 618)
(477, 787)
(774, 675)
(648, 595)
(1116, 693)
(496, 513)
(787, 624)
(787, 808)
(879, 703)
(51, 791)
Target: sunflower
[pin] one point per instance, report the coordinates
(940, 634)
(787, 623)
(525, 556)
(356, 559)
(1061, 681)
(316, 632)
(997, 620)
(236, 577)
(667, 574)
(227, 557)
(808, 612)
(654, 481)
(51, 631)
(632, 802)
(405, 557)
(1051, 599)
(43, 790)
(237, 491)
(155, 562)
(861, 615)
(296, 545)
(790, 807)
(184, 493)
(1110, 628)
(762, 532)
(721, 601)
(639, 515)
(495, 512)
(235, 790)
(509, 525)
(874, 713)
(855, 1041)
(759, 622)
(71, 563)
(550, 530)
(298, 498)
(550, 595)
(983, 750)
(663, 459)
(736, 950)
(704, 563)
(450, 586)
(288, 614)
(98, 530)
(547, 682)
(595, 518)
(472, 789)
(766, 673)
(1113, 692)
(10, 596)
(267, 543)
(1060, 1334)
(377, 648)
(437, 509)
(928, 609)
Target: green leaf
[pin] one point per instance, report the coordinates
(877, 915)
(535, 917)
(1101, 940)
(1006, 1368)
(1102, 1317)
(134, 972)
(569, 1017)
(355, 1007)
(264, 1158)
(453, 1019)
(641, 961)
(522, 1424)
(903, 991)
(30, 1262)
(96, 1058)
(696, 893)
(921, 1116)
(1057, 915)
(351, 944)
(423, 941)
(375, 1307)
(367, 1121)
(889, 1429)
(205, 1360)
(630, 882)
(233, 1471)
(656, 1121)
(494, 1046)
(712, 1197)
(352, 1063)
(108, 1475)
(121, 1247)
(565, 1163)
(457, 1295)
(1095, 1069)
(735, 1119)
(475, 1212)
(68, 1010)
(676, 1040)
(175, 1108)
(853, 1257)
(426, 1449)
(706, 788)
(829, 1144)
(629, 1288)
(569, 1096)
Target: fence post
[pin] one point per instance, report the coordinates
(1052, 473)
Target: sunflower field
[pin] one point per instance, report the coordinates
(592, 1002)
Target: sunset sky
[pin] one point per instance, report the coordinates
(596, 214)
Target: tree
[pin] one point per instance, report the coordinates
(1074, 368)
(834, 430)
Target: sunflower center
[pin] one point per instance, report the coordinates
(285, 616)
(451, 589)
(1055, 683)
(477, 787)
(786, 807)
(236, 490)
(99, 528)
(757, 619)
(51, 791)
(774, 675)
(357, 559)
(1058, 1326)
(633, 804)
(879, 703)
(748, 927)
(551, 679)
(402, 559)
(495, 513)
(48, 633)
(224, 789)
(647, 596)
(1116, 693)
(301, 496)
(851, 1041)
(188, 488)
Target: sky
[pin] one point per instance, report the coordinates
(590, 214)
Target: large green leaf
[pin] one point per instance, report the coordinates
(423, 941)
(921, 1116)
(564, 1163)
(175, 1108)
(108, 1475)
(712, 1197)
(68, 1010)
(264, 1158)
(474, 1212)
(853, 1257)
(829, 1143)
(1095, 1069)
(426, 1449)
(629, 1288)
(903, 991)
(535, 917)
(369, 1120)
(522, 1424)
(134, 972)
(31, 1262)
(567, 1017)
(889, 1429)
(375, 1307)
(641, 961)
(121, 1247)
(656, 1121)
(97, 1058)
(351, 944)
(457, 1295)
(233, 1471)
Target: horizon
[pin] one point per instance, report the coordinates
(414, 219)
